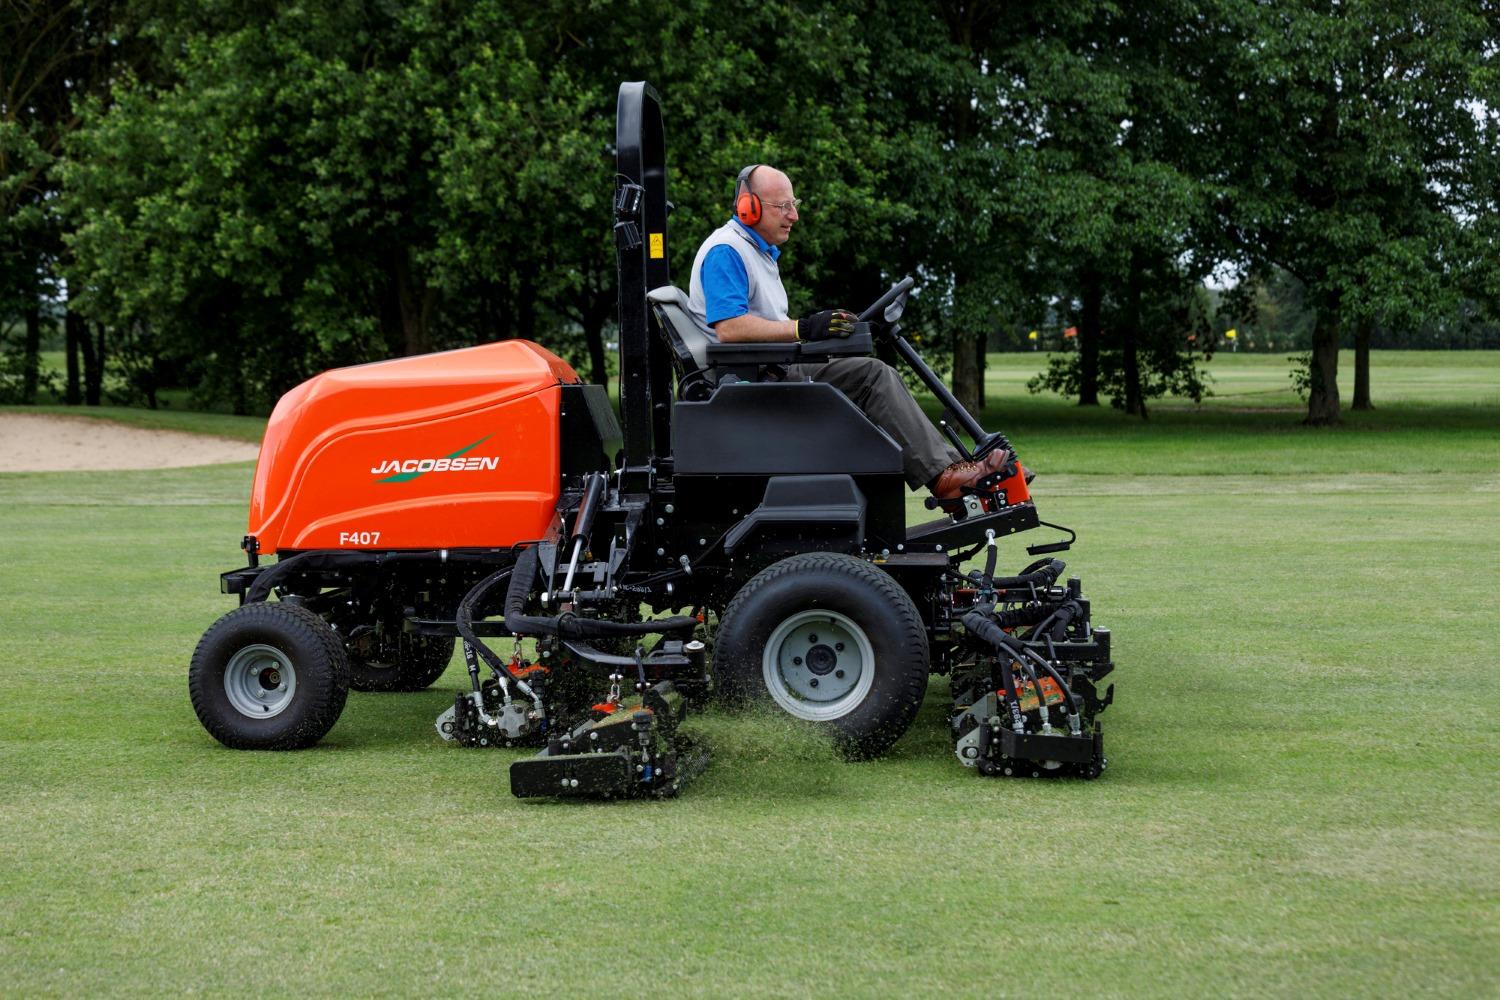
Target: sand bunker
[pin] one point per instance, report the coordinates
(32, 442)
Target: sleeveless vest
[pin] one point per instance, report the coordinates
(766, 298)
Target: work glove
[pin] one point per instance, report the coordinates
(826, 324)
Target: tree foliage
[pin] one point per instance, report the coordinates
(240, 195)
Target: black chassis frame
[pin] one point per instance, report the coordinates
(702, 493)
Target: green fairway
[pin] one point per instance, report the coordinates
(1301, 798)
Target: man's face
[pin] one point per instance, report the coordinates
(775, 190)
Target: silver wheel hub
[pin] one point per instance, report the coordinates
(818, 665)
(260, 681)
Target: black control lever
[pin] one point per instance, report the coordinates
(1063, 546)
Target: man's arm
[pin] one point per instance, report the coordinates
(749, 328)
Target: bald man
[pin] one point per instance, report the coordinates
(736, 293)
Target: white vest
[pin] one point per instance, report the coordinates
(767, 299)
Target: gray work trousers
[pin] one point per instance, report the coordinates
(874, 387)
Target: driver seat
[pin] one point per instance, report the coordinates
(687, 338)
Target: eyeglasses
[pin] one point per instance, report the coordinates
(785, 207)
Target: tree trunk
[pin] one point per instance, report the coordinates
(965, 370)
(1089, 334)
(526, 308)
(1323, 371)
(1362, 366)
(415, 305)
(981, 343)
(32, 360)
(1135, 400)
(593, 334)
(93, 364)
(78, 336)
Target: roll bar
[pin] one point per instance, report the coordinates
(642, 262)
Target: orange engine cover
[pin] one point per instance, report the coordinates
(452, 450)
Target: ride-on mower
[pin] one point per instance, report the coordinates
(487, 495)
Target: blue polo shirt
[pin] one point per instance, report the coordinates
(726, 286)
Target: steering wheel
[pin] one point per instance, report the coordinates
(896, 298)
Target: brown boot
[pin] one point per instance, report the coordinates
(955, 477)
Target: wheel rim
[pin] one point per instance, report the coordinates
(260, 681)
(818, 665)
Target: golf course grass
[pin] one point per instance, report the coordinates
(1302, 796)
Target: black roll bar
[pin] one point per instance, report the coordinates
(643, 264)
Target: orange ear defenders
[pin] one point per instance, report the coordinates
(746, 202)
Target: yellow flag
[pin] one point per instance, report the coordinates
(1230, 334)
(1031, 335)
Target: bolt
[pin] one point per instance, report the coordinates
(593, 736)
(661, 552)
(796, 661)
(839, 674)
(703, 541)
(814, 682)
(574, 782)
(661, 520)
(839, 646)
(668, 508)
(900, 548)
(565, 782)
(813, 637)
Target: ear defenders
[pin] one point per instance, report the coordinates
(746, 202)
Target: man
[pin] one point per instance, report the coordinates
(736, 292)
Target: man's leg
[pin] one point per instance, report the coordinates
(875, 388)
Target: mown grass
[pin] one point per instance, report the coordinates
(1301, 797)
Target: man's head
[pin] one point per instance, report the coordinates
(778, 206)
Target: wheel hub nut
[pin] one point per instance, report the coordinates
(821, 660)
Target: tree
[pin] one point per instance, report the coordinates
(311, 186)
(50, 55)
(1117, 182)
(1379, 119)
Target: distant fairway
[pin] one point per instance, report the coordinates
(1302, 796)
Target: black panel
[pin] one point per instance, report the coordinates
(590, 432)
(802, 501)
(778, 428)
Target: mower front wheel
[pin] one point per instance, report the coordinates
(269, 677)
(829, 639)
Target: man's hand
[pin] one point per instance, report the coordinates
(825, 324)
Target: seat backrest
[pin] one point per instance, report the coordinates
(689, 340)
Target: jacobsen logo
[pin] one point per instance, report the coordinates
(404, 470)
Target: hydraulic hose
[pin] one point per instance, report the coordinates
(987, 630)
(1057, 623)
(1046, 576)
(463, 618)
(1074, 717)
(1017, 617)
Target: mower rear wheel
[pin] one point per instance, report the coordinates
(390, 659)
(829, 639)
(269, 677)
